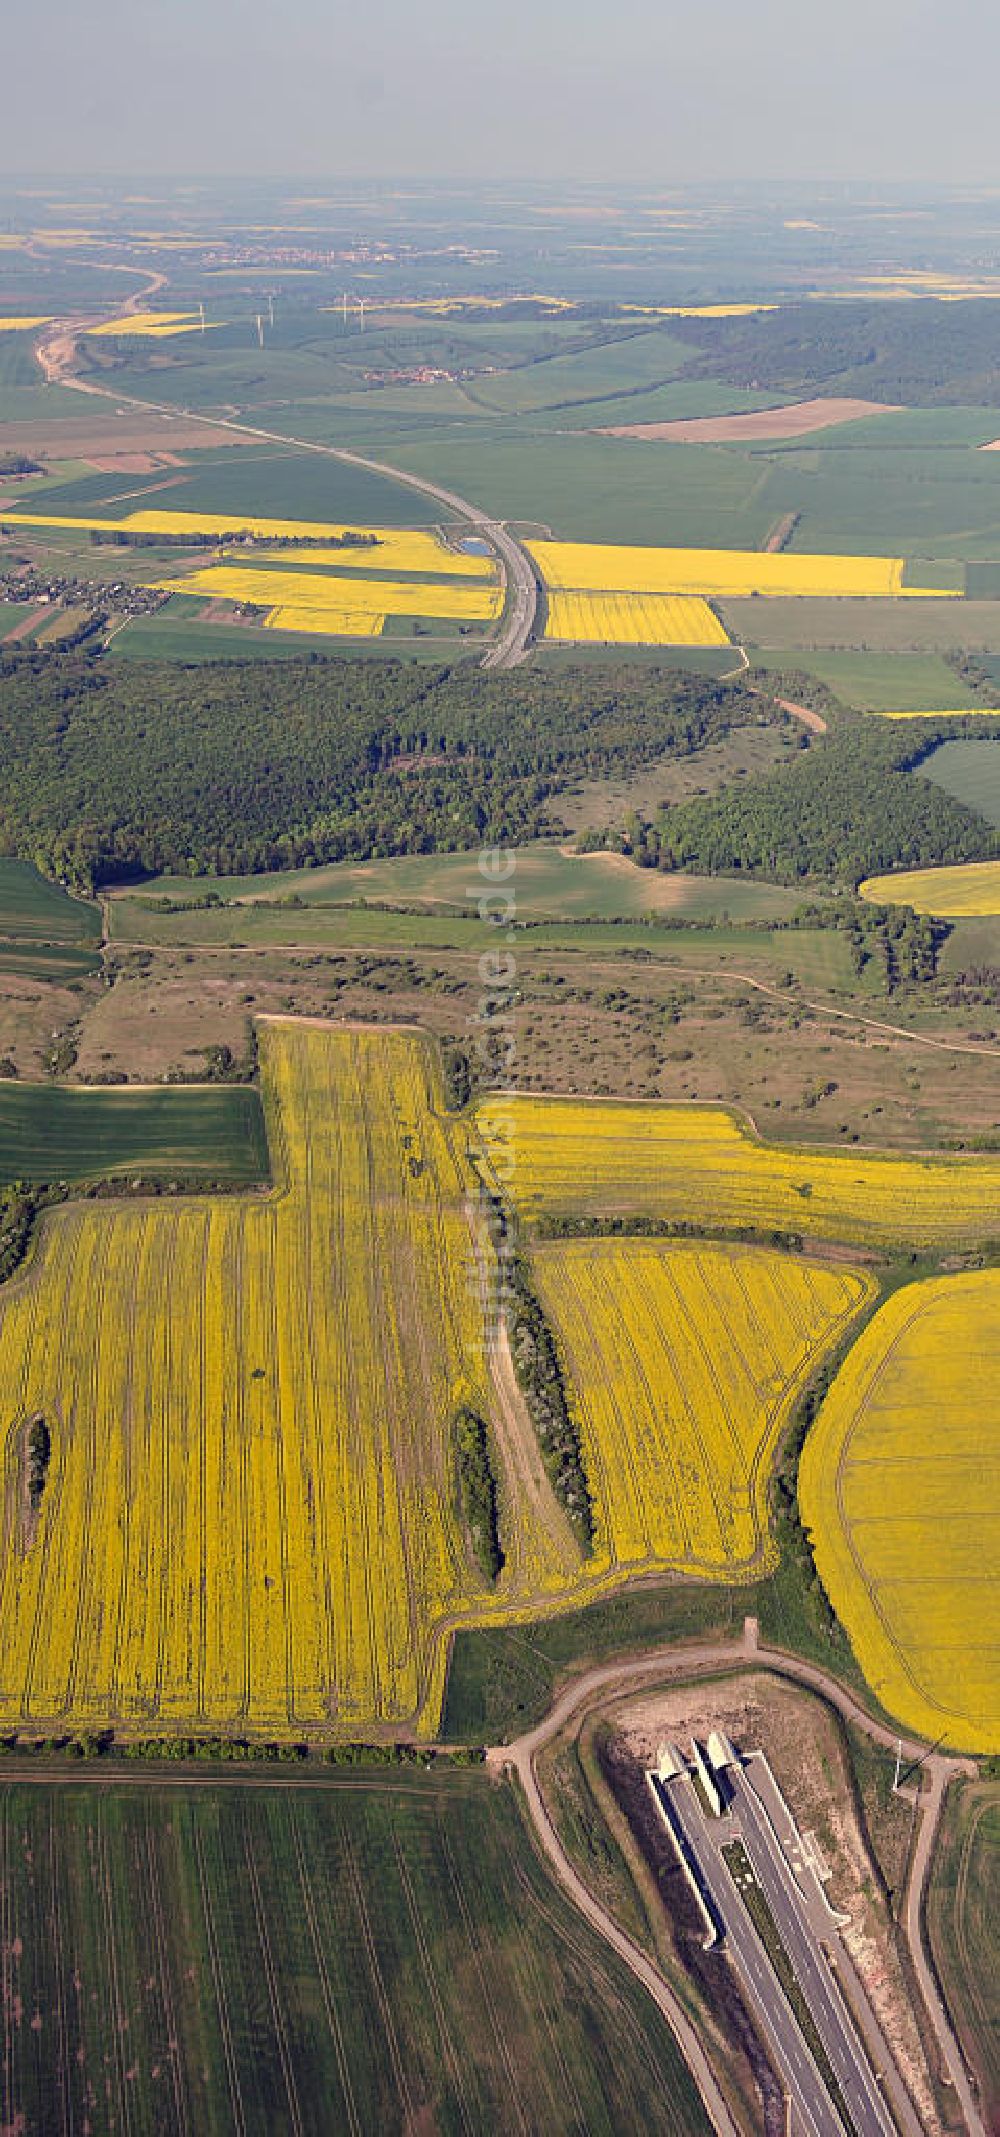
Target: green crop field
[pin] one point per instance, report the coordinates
(923, 501)
(815, 956)
(991, 667)
(51, 1133)
(370, 1957)
(260, 927)
(972, 946)
(909, 626)
(37, 403)
(971, 771)
(601, 489)
(963, 1916)
(275, 481)
(886, 682)
(982, 580)
(645, 357)
(675, 402)
(168, 637)
(547, 883)
(932, 503)
(34, 910)
(58, 962)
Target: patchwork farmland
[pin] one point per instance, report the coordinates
(322, 594)
(275, 1486)
(271, 1549)
(283, 1550)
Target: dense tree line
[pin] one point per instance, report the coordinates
(850, 806)
(18, 1209)
(478, 1491)
(924, 353)
(39, 1457)
(115, 771)
(539, 1375)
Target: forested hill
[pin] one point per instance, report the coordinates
(849, 808)
(109, 771)
(922, 353)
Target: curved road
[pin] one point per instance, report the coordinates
(610, 1680)
(514, 636)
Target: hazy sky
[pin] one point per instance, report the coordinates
(648, 89)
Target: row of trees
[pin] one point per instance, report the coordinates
(539, 1375)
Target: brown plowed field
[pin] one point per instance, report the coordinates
(27, 625)
(100, 433)
(795, 421)
(134, 463)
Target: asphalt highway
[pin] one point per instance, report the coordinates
(816, 2113)
(865, 2104)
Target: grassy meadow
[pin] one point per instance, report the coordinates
(885, 681)
(548, 883)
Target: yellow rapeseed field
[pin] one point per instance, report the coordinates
(250, 1513)
(16, 323)
(701, 1164)
(960, 893)
(954, 712)
(323, 593)
(683, 1363)
(634, 619)
(152, 325)
(711, 311)
(332, 622)
(697, 311)
(398, 549)
(603, 567)
(900, 1487)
